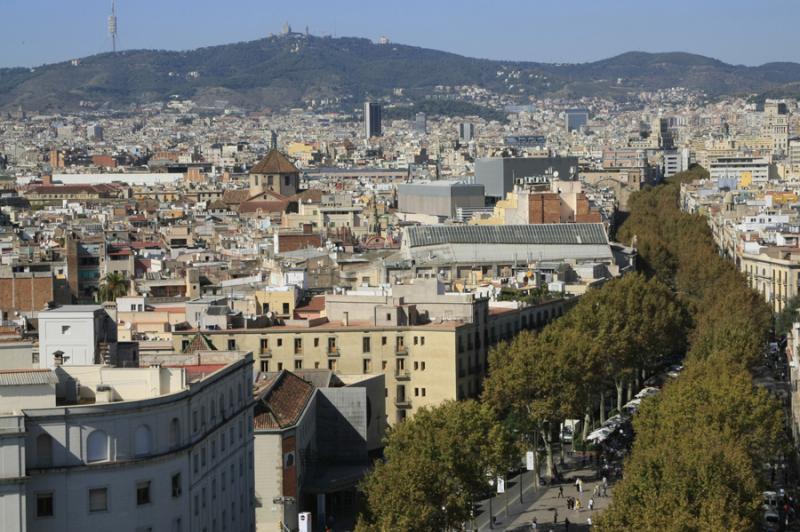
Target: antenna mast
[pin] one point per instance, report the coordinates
(112, 25)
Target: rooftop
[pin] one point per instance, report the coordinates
(274, 163)
(552, 234)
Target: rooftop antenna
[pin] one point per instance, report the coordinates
(112, 25)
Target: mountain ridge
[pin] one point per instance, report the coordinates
(282, 71)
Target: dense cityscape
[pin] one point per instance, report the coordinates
(439, 307)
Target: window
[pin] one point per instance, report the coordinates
(383, 365)
(265, 366)
(264, 344)
(388, 316)
(222, 480)
(194, 420)
(422, 340)
(316, 340)
(280, 342)
(97, 447)
(142, 441)
(416, 340)
(298, 364)
(332, 364)
(416, 392)
(287, 180)
(383, 340)
(231, 344)
(98, 499)
(196, 461)
(298, 346)
(142, 492)
(203, 456)
(44, 504)
(422, 391)
(213, 449)
(174, 433)
(331, 344)
(416, 365)
(280, 366)
(366, 344)
(367, 365)
(286, 308)
(44, 450)
(176, 485)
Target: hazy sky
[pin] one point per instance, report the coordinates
(737, 31)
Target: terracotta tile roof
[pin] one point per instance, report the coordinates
(317, 304)
(231, 197)
(274, 163)
(283, 402)
(263, 206)
(199, 343)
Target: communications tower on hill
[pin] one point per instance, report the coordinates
(112, 26)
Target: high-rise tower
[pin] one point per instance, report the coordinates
(372, 119)
(112, 26)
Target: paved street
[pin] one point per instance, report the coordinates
(542, 503)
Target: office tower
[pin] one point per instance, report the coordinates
(94, 132)
(466, 132)
(421, 123)
(575, 119)
(776, 125)
(372, 119)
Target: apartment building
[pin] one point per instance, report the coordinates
(140, 449)
(431, 346)
(772, 271)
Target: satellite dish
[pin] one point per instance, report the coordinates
(555, 174)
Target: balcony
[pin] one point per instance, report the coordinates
(333, 352)
(402, 402)
(401, 351)
(265, 353)
(402, 374)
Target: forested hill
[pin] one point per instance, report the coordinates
(284, 70)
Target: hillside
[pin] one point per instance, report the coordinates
(282, 71)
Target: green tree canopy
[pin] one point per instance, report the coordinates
(437, 464)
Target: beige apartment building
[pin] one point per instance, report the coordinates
(430, 346)
(774, 272)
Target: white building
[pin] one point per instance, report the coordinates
(74, 334)
(143, 449)
(744, 169)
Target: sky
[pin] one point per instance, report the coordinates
(34, 32)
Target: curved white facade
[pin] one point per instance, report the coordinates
(178, 462)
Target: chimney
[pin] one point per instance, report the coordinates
(346, 319)
(47, 179)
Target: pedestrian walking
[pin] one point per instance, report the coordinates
(578, 504)
(534, 523)
(605, 481)
(591, 504)
(555, 516)
(578, 485)
(604, 491)
(596, 490)
(589, 522)
(560, 492)
(566, 523)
